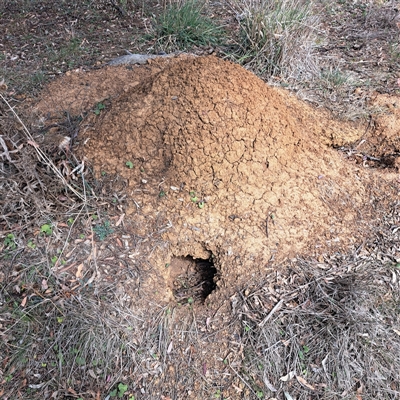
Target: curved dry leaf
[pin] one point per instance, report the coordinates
(287, 377)
(303, 382)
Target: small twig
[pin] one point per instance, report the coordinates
(276, 308)
(238, 375)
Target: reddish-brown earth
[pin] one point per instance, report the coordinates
(235, 169)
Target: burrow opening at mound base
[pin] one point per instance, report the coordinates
(192, 279)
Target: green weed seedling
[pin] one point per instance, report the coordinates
(99, 106)
(46, 229)
(129, 164)
(302, 353)
(103, 230)
(9, 241)
(80, 361)
(31, 245)
(119, 391)
(193, 197)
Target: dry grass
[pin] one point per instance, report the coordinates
(336, 333)
(277, 37)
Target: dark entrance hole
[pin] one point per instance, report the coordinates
(192, 279)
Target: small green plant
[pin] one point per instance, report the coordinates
(119, 391)
(183, 25)
(38, 78)
(193, 196)
(161, 194)
(103, 230)
(31, 245)
(46, 229)
(99, 106)
(129, 164)
(80, 361)
(54, 260)
(70, 221)
(260, 394)
(218, 394)
(60, 357)
(9, 242)
(333, 78)
(200, 204)
(303, 352)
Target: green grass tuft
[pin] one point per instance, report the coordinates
(183, 25)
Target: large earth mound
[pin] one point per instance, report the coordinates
(221, 165)
(241, 170)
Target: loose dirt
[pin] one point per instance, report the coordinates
(384, 140)
(238, 172)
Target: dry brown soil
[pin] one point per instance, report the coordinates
(236, 170)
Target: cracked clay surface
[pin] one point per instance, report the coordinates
(237, 168)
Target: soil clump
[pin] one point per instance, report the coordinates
(240, 172)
